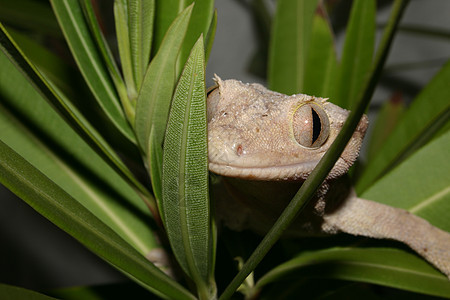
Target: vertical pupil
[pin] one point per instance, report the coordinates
(317, 126)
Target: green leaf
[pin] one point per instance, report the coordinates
(17, 293)
(60, 208)
(155, 169)
(321, 62)
(64, 76)
(85, 176)
(154, 98)
(123, 43)
(140, 21)
(421, 184)
(209, 40)
(199, 24)
(357, 54)
(289, 43)
(107, 56)
(426, 115)
(11, 76)
(387, 118)
(388, 267)
(90, 63)
(166, 12)
(185, 201)
(33, 129)
(30, 14)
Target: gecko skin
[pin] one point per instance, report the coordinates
(261, 140)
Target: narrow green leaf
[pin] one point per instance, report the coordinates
(101, 40)
(61, 209)
(388, 267)
(321, 62)
(202, 15)
(63, 75)
(69, 113)
(317, 176)
(209, 40)
(157, 89)
(140, 22)
(155, 163)
(166, 12)
(123, 43)
(421, 184)
(17, 293)
(358, 53)
(289, 43)
(426, 115)
(185, 201)
(85, 176)
(108, 57)
(33, 15)
(30, 126)
(89, 61)
(386, 121)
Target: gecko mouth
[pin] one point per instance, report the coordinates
(293, 172)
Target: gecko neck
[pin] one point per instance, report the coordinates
(256, 205)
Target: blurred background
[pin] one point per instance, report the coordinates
(37, 255)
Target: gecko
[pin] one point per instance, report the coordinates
(265, 144)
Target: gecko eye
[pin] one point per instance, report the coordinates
(310, 125)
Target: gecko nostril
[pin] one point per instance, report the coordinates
(239, 150)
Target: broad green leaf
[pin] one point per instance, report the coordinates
(154, 98)
(357, 54)
(321, 62)
(29, 14)
(17, 293)
(185, 201)
(33, 129)
(289, 45)
(383, 266)
(140, 21)
(90, 62)
(69, 113)
(108, 57)
(426, 115)
(421, 184)
(60, 208)
(387, 118)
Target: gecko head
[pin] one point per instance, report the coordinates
(258, 134)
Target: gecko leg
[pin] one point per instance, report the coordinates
(371, 219)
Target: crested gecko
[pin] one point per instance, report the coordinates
(266, 143)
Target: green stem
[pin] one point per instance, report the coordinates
(327, 162)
